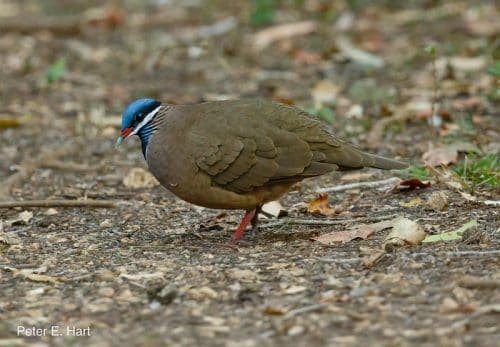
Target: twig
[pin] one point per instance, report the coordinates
(27, 167)
(460, 253)
(61, 165)
(316, 221)
(370, 184)
(339, 260)
(473, 282)
(58, 203)
(302, 310)
(463, 322)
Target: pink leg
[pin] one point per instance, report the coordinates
(244, 222)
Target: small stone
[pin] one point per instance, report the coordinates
(106, 224)
(295, 330)
(51, 212)
(106, 292)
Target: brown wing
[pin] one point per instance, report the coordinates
(240, 153)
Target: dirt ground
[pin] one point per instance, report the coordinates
(154, 270)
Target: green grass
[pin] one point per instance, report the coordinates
(325, 113)
(473, 173)
(56, 71)
(262, 12)
(480, 172)
(420, 172)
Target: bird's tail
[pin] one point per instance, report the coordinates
(348, 157)
(379, 162)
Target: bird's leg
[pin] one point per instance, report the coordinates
(249, 216)
(255, 220)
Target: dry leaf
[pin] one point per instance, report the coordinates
(405, 232)
(35, 277)
(452, 235)
(307, 57)
(321, 206)
(412, 203)
(22, 218)
(139, 178)
(372, 259)
(440, 156)
(267, 36)
(274, 311)
(358, 231)
(437, 201)
(273, 208)
(412, 184)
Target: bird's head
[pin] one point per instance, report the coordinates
(136, 119)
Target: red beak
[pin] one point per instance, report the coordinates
(124, 133)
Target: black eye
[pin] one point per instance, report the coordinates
(138, 117)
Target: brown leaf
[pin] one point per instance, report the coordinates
(309, 58)
(274, 311)
(358, 231)
(440, 156)
(320, 205)
(412, 184)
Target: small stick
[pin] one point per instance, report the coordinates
(460, 253)
(369, 184)
(316, 221)
(61, 165)
(58, 203)
(301, 310)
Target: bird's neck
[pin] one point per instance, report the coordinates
(148, 130)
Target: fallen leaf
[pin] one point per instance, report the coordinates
(307, 57)
(274, 311)
(267, 36)
(273, 208)
(320, 205)
(139, 178)
(452, 235)
(358, 231)
(412, 184)
(22, 218)
(373, 258)
(35, 277)
(437, 201)
(405, 232)
(412, 203)
(440, 156)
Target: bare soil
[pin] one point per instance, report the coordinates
(157, 271)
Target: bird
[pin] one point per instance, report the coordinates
(238, 154)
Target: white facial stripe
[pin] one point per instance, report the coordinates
(145, 121)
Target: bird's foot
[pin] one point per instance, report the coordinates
(238, 234)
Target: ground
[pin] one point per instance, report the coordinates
(154, 270)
